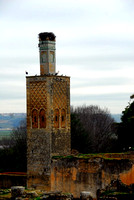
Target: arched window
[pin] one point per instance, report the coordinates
(42, 119)
(56, 118)
(63, 118)
(34, 119)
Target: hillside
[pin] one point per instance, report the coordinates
(11, 120)
(8, 121)
(117, 117)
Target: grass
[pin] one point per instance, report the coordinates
(106, 156)
(106, 193)
(120, 195)
(5, 133)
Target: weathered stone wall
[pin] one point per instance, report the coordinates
(39, 160)
(73, 175)
(76, 175)
(61, 138)
(48, 125)
(9, 180)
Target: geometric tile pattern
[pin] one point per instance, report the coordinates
(59, 94)
(38, 98)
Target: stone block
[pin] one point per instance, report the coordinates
(17, 191)
(86, 195)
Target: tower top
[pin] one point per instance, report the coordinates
(47, 36)
(47, 53)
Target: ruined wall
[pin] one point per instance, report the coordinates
(11, 179)
(76, 175)
(73, 175)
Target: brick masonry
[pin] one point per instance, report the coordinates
(48, 125)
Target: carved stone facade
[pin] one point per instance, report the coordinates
(47, 53)
(48, 125)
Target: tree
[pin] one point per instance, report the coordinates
(126, 127)
(79, 136)
(13, 155)
(97, 126)
(19, 135)
(19, 146)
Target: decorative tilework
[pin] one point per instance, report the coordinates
(38, 97)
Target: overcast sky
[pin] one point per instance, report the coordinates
(94, 46)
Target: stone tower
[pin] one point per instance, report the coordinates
(47, 53)
(48, 116)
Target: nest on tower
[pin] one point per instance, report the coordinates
(47, 36)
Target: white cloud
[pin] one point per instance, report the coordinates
(13, 105)
(102, 89)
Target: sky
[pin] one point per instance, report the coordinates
(94, 46)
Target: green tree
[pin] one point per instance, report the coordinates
(126, 127)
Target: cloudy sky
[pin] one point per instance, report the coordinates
(94, 45)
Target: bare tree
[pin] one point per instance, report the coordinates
(19, 134)
(98, 123)
(13, 153)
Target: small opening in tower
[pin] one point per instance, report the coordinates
(35, 119)
(62, 118)
(42, 118)
(56, 118)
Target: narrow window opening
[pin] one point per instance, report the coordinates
(62, 118)
(34, 119)
(42, 118)
(56, 118)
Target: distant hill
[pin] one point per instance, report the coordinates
(117, 117)
(10, 120)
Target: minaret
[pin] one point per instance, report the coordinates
(47, 53)
(48, 116)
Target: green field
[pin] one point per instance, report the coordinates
(5, 133)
